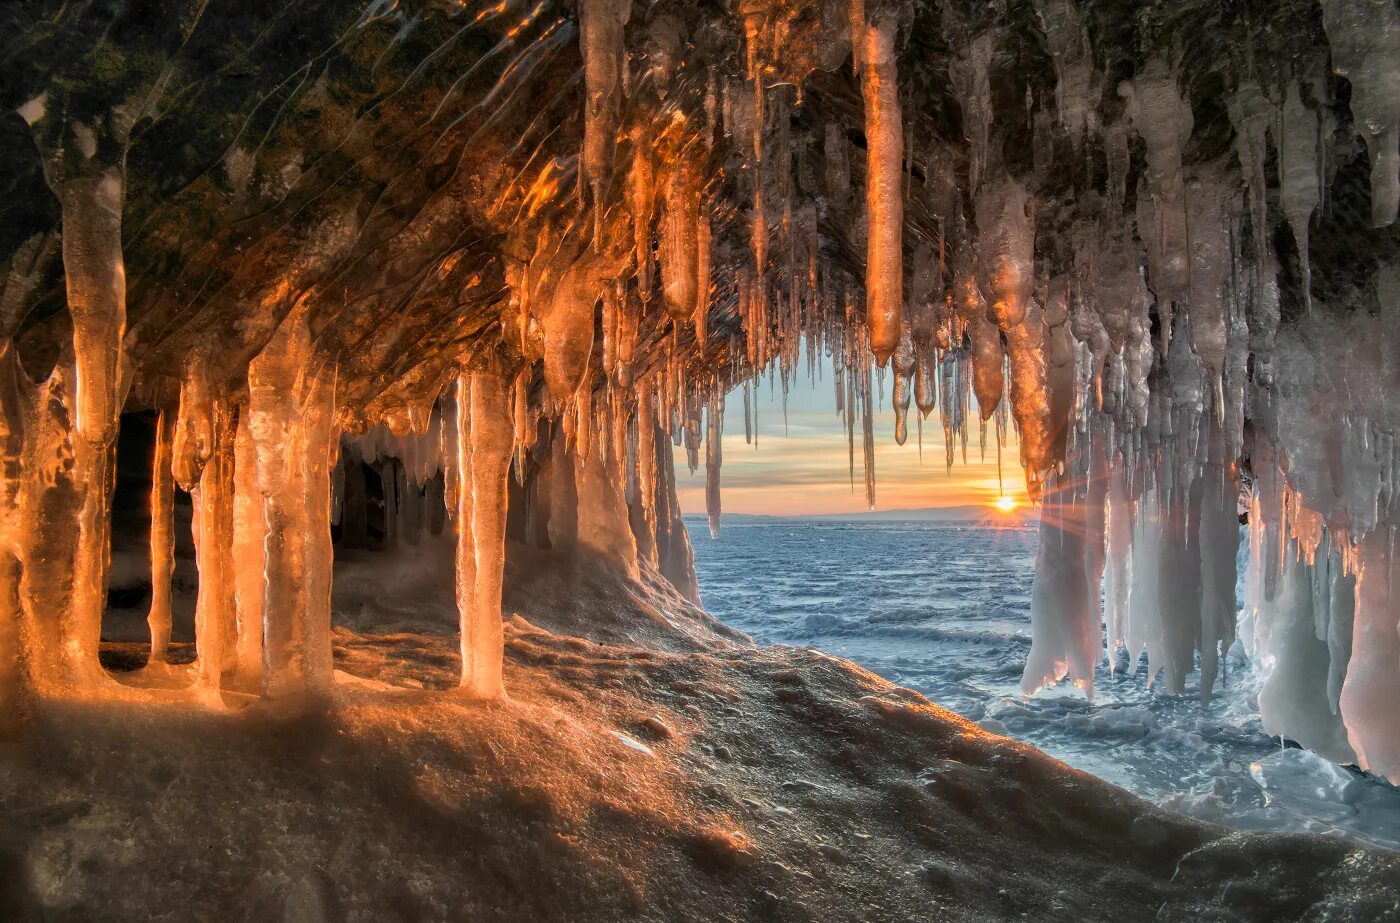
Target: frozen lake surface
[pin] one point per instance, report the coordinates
(944, 608)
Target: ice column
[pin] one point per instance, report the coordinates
(14, 665)
(249, 553)
(485, 437)
(213, 530)
(1064, 606)
(1372, 686)
(162, 536)
(291, 406)
(96, 281)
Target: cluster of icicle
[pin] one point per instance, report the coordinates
(1129, 376)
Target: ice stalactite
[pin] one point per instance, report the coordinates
(714, 451)
(1069, 47)
(601, 25)
(884, 183)
(1253, 118)
(1299, 179)
(703, 269)
(484, 441)
(1163, 119)
(641, 194)
(1364, 36)
(900, 393)
(1210, 270)
(970, 74)
(646, 462)
(162, 536)
(679, 245)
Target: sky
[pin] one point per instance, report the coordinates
(807, 471)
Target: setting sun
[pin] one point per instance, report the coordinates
(1005, 504)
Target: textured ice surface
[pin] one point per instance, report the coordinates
(952, 620)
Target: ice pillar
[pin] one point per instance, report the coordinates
(292, 402)
(1372, 686)
(213, 531)
(95, 275)
(162, 537)
(14, 667)
(1065, 632)
(485, 438)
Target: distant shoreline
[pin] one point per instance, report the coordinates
(1023, 516)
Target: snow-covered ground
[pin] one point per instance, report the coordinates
(945, 609)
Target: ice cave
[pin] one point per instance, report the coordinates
(349, 349)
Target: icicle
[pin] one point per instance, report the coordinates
(884, 203)
(838, 167)
(903, 371)
(646, 457)
(970, 75)
(1162, 118)
(1294, 698)
(1364, 36)
(856, 11)
(641, 186)
(680, 246)
(1299, 184)
(1067, 40)
(868, 427)
(714, 428)
(569, 327)
(702, 279)
(604, 60)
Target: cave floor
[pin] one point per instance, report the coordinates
(647, 765)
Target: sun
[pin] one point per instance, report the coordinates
(1005, 504)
